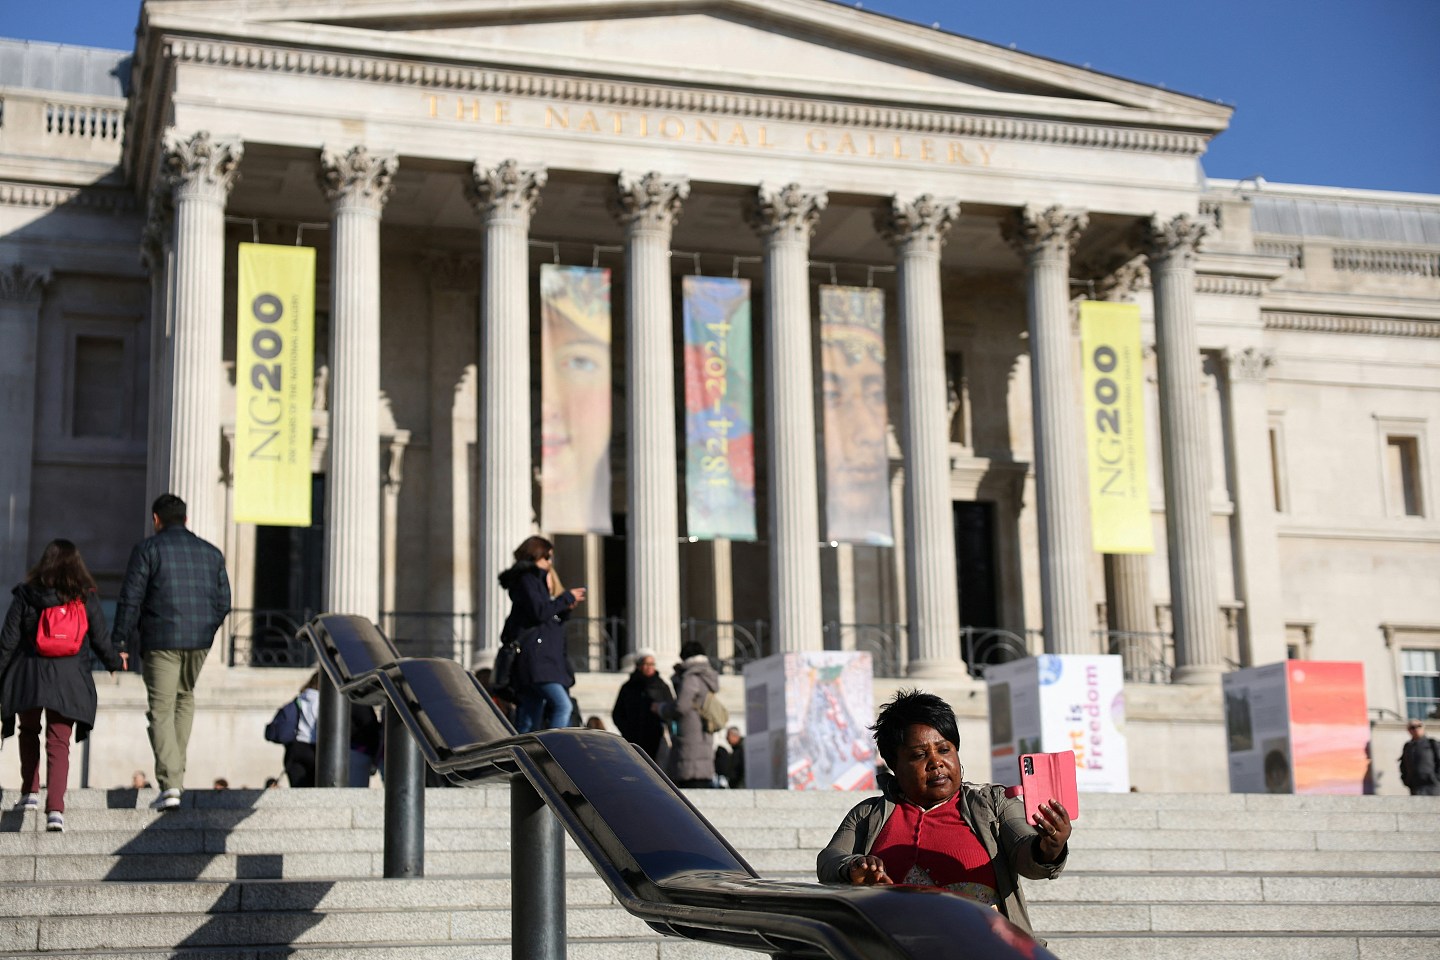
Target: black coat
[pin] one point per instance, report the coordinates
(63, 684)
(542, 655)
(632, 714)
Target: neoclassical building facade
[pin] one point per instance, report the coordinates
(437, 153)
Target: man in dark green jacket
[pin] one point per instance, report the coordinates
(174, 597)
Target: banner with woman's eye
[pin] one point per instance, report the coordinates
(574, 399)
(719, 410)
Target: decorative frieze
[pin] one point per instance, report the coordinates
(1335, 323)
(635, 95)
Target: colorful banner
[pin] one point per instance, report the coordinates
(719, 410)
(1114, 377)
(574, 399)
(274, 376)
(857, 464)
(807, 720)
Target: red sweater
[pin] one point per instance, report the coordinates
(935, 848)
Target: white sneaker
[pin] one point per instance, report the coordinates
(30, 802)
(55, 822)
(168, 800)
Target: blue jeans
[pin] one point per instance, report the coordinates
(534, 703)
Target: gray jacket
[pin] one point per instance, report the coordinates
(692, 755)
(998, 822)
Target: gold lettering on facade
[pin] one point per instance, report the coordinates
(617, 118)
(706, 131)
(765, 143)
(644, 124)
(434, 105)
(737, 136)
(560, 118)
(898, 148)
(588, 123)
(870, 144)
(502, 112)
(984, 150)
(847, 145)
(815, 141)
(957, 153)
(672, 128)
(927, 150)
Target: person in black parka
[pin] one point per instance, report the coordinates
(636, 713)
(541, 674)
(62, 688)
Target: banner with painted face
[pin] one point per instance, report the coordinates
(274, 373)
(719, 410)
(852, 371)
(574, 399)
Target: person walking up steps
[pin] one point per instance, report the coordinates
(54, 624)
(174, 597)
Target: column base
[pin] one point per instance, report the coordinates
(1197, 674)
(937, 670)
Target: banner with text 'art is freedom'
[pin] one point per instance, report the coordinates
(274, 373)
(1114, 377)
(575, 399)
(852, 370)
(719, 410)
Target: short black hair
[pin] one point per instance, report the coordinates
(170, 509)
(905, 709)
(691, 648)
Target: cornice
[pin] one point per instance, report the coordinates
(34, 195)
(1336, 323)
(617, 93)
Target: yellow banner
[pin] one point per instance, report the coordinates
(274, 370)
(1115, 427)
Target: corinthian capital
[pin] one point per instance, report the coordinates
(1049, 233)
(1249, 363)
(1124, 281)
(919, 226)
(21, 285)
(506, 192)
(357, 177)
(787, 213)
(651, 202)
(201, 166)
(1172, 243)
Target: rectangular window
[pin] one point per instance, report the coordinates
(98, 399)
(1421, 672)
(1402, 476)
(955, 390)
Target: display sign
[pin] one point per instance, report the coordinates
(807, 718)
(1053, 703)
(274, 373)
(1299, 726)
(1114, 376)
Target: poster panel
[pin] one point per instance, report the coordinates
(1329, 726)
(1114, 377)
(719, 409)
(852, 370)
(574, 399)
(1257, 729)
(274, 375)
(808, 717)
(1082, 707)
(1014, 705)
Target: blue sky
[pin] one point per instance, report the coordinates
(1334, 92)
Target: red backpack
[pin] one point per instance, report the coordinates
(62, 629)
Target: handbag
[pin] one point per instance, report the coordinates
(502, 672)
(284, 727)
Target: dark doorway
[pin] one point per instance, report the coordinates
(975, 562)
(617, 582)
(289, 587)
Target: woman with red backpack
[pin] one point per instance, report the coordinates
(54, 624)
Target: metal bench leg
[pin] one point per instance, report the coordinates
(332, 746)
(537, 869)
(404, 801)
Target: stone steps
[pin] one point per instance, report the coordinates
(239, 875)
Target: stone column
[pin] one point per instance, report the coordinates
(393, 450)
(506, 197)
(157, 251)
(357, 184)
(648, 207)
(1195, 612)
(1045, 239)
(932, 600)
(1257, 558)
(1129, 608)
(785, 219)
(21, 291)
(200, 172)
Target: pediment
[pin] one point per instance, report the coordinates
(802, 48)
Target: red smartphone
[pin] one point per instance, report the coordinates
(1049, 776)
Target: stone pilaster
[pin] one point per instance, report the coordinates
(1171, 248)
(21, 292)
(357, 183)
(506, 197)
(785, 219)
(917, 229)
(199, 171)
(1045, 239)
(1257, 557)
(648, 207)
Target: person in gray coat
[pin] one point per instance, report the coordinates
(62, 688)
(975, 840)
(692, 759)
